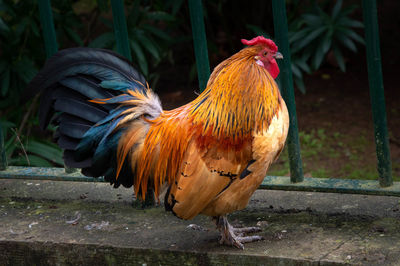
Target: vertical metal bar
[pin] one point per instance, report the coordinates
(200, 42)
(3, 159)
(377, 92)
(49, 33)
(281, 35)
(120, 28)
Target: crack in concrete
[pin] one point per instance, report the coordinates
(334, 249)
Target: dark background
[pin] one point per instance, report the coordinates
(334, 112)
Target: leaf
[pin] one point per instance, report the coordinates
(300, 84)
(21, 27)
(3, 26)
(318, 56)
(33, 161)
(134, 14)
(103, 41)
(10, 146)
(154, 80)
(336, 9)
(5, 125)
(25, 69)
(38, 161)
(353, 35)
(325, 18)
(35, 28)
(326, 43)
(5, 82)
(347, 10)
(149, 45)
(140, 57)
(303, 65)
(339, 58)
(347, 42)
(312, 36)
(46, 151)
(160, 15)
(73, 36)
(296, 71)
(307, 53)
(298, 35)
(7, 9)
(312, 20)
(350, 23)
(159, 33)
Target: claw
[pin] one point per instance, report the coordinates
(235, 236)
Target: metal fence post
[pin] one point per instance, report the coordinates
(49, 33)
(120, 29)
(3, 159)
(281, 35)
(199, 42)
(377, 92)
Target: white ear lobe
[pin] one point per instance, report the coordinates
(259, 62)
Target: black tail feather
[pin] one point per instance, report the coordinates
(99, 63)
(73, 130)
(87, 111)
(68, 81)
(67, 143)
(70, 161)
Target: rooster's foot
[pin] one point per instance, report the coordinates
(235, 236)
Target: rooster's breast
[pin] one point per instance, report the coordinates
(266, 147)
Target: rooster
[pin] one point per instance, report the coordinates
(209, 155)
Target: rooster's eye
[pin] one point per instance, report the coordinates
(265, 53)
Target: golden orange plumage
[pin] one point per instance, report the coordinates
(241, 99)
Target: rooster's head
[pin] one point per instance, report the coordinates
(266, 53)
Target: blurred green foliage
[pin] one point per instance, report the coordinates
(21, 49)
(321, 30)
(150, 24)
(159, 34)
(150, 27)
(315, 30)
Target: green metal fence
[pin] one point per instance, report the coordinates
(296, 181)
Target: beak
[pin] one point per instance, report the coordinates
(278, 55)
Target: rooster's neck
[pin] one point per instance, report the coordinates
(240, 98)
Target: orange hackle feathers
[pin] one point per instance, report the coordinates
(240, 97)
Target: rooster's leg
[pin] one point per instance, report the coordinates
(235, 236)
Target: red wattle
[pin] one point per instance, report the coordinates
(273, 68)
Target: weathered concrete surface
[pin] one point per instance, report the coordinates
(50, 223)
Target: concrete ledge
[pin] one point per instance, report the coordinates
(50, 223)
(44, 253)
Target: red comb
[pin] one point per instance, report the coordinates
(261, 40)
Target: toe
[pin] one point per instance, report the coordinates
(247, 230)
(248, 239)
